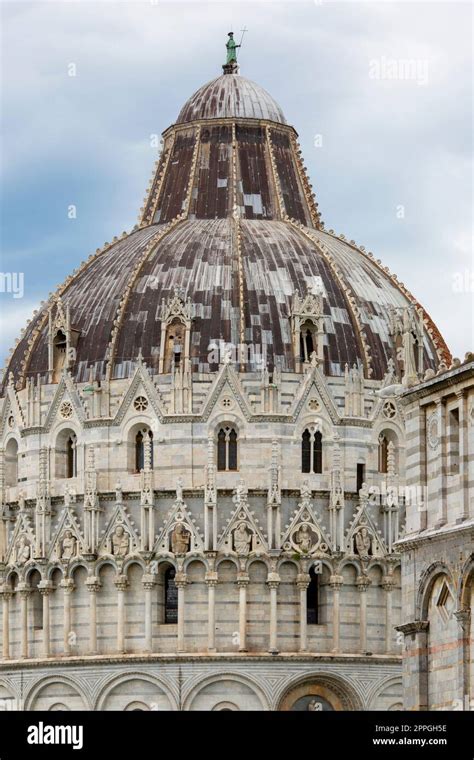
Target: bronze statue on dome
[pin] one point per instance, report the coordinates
(231, 46)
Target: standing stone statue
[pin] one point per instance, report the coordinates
(231, 49)
(179, 490)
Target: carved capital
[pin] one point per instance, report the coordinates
(181, 580)
(302, 580)
(363, 582)
(211, 579)
(336, 581)
(413, 628)
(273, 580)
(121, 582)
(148, 581)
(243, 579)
(93, 584)
(388, 584)
(464, 619)
(45, 588)
(67, 584)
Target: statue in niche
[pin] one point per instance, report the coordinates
(180, 539)
(68, 545)
(120, 542)
(23, 551)
(240, 492)
(242, 539)
(179, 490)
(305, 492)
(409, 343)
(304, 538)
(227, 356)
(363, 543)
(364, 492)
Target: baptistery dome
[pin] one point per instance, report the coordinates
(230, 220)
(189, 427)
(231, 97)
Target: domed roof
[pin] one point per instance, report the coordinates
(115, 298)
(231, 96)
(230, 223)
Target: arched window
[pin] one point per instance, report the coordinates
(227, 449)
(11, 463)
(306, 452)
(308, 341)
(318, 452)
(59, 355)
(174, 346)
(453, 441)
(140, 439)
(35, 602)
(71, 456)
(383, 453)
(312, 452)
(66, 454)
(171, 596)
(387, 452)
(312, 599)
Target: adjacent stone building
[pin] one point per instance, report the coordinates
(203, 449)
(438, 547)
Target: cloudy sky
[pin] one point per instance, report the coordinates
(380, 93)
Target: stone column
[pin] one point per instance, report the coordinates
(463, 454)
(387, 584)
(6, 596)
(68, 587)
(422, 466)
(270, 526)
(443, 463)
(363, 583)
(121, 584)
(24, 592)
(302, 582)
(45, 588)
(211, 582)
(181, 581)
(273, 582)
(415, 663)
(335, 582)
(463, 617)
(242, 582)
(93, 585)
(149, 584)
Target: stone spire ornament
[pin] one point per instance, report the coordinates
(147, 511)
(91, 504)
(43, 507)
